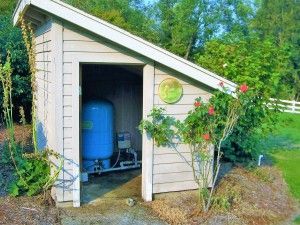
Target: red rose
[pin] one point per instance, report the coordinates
(206, 137)
(244, 88)
(211, 110)
(221, 84)
(197, 104)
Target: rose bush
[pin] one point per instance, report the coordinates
(207, 124)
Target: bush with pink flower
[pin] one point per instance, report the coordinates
(209, 125)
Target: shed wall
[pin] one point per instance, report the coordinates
(170, 171)
(45, 87)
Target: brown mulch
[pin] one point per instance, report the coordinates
(27, 210)
(258, 197)
(22, 134)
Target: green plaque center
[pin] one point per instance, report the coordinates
(170, 90)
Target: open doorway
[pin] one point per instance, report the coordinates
(111, 145)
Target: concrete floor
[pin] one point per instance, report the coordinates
(104, 202)
(112, 185)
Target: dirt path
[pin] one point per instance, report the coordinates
(112, 212)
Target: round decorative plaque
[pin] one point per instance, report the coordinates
(170, 90)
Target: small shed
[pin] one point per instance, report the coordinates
(79, 53)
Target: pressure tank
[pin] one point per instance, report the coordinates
(97, 133)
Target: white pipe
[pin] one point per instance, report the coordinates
(259, 159)
(114, 169)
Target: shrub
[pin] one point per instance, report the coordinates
(258, 120)
(207, 125)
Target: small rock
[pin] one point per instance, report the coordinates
(130, 202)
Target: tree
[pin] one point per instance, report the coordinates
(280, 20)
(127, 14)
(184, 25)
(260, 63)
(236, 16)
(11, 42)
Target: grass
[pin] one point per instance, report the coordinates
(286, 150)
(289, 164)
(289, 127)
(297, 220)
(285, 146)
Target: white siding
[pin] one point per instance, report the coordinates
(77, 43)
(44, 85)
(170, 171)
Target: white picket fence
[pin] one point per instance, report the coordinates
(288, 106)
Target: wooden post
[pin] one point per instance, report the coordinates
(76, 133)
(147, 163)
(57, 70)
(294, 106)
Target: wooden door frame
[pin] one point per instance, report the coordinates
(148, 102)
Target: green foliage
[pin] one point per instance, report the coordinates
(198, 123)
(127, 14)
(297, 220)
(35, 172)
(261, 64)
(279, 19)
(257, 40)
(185, 24)
(160, 128)
(235, 16)
(255, 124)
(7, 6)
(11, 42)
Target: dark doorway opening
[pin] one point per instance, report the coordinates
(122, 87)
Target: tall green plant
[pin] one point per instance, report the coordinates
(6, 81)
(28, 37)
(33, 169)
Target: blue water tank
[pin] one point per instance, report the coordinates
(97, 133)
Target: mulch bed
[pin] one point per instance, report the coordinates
(27, 210)
(258, 197)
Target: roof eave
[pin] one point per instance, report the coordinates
(21, 7)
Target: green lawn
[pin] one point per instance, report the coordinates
(289, 163)
(289, 127)
(286, 150)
